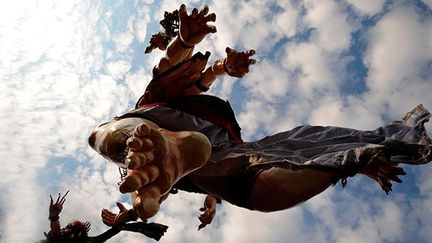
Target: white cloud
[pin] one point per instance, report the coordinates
(267, 80)
(104, 24)
(330, 37)
(223, 87)
(314, 68)
(354, 114)
(428, 3)
(394, 55)
(390, 221)
(51, 53)
(367, 7)
(286, 22)
(398, 59)
(242, 226)
(118, 69)
(137, 82)
(255, 25)
(59, 81)
(141, 23)
(123, 41)
(251, 119)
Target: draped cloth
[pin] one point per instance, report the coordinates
(341, 150)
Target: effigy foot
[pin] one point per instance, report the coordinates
(157, 159)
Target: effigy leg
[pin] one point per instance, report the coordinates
(282, 188)
(279, 188)
(157, 159)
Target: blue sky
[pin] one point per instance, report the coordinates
(67, 66)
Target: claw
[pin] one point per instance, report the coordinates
(395, 178)
(182, 11)
(228, 50)
(211, 29)
(203, 11)
(194, 12)
(210, 18)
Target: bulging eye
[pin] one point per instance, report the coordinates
(116, 147)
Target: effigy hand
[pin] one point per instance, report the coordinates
(236, 63)
(193, 28)
(383, 172)
(209, 210)
(112, 219)
(159, 40)
(56, 208)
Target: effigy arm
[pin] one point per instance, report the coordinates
(151, 230)
(175, 53)
(209, 211)
(235, 64)
(55, 209)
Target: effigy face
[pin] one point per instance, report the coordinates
(109, 139)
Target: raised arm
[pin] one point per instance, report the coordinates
(193, 28)
(54, 212)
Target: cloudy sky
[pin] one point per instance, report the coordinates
(66, 66)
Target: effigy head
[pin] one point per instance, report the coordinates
(109, 139)
(76, 230)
